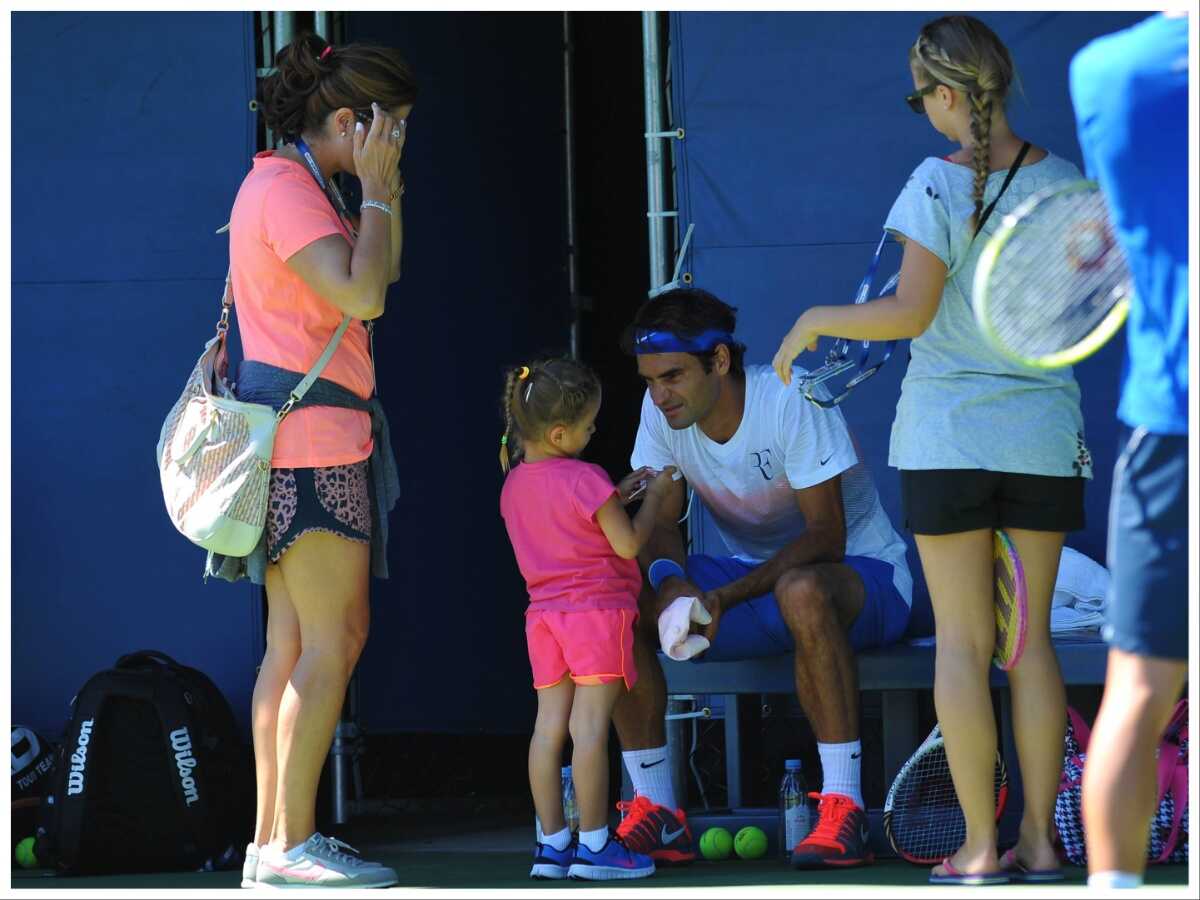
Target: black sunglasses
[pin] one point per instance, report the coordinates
(915, 101)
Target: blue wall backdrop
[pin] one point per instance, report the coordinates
(132, 132)
(135, 132)
(798, 141)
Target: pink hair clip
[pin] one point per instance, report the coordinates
(325, 53)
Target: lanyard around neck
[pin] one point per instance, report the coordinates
(339, 206)
(329, 188)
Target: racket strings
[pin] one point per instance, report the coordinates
(1058, 276)
(926, 822)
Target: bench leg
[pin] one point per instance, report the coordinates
(899, 712)
(1010, 823)
(733, 751)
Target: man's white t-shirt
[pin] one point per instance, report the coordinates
(783, 444)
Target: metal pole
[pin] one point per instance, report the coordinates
(652, 81)
(677, 747)
(285, 28)
(569, 140)
(343, 765)
(321, 25)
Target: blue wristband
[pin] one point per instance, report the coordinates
(662, 569)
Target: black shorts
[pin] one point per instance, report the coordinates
(334, 499)
(949, 501)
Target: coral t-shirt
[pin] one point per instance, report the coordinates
(549, 508)
(279, 211)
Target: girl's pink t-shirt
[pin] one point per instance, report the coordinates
(279, 211)
(549, 508)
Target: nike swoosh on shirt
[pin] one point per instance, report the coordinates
(653, 764)
(827, 459)
(856, 755)
(668, 836)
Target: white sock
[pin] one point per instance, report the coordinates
(841, 769)
(594, 840)
(650, 772)
(1109, 880)
(560, 840)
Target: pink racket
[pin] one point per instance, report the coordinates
(1012, 603)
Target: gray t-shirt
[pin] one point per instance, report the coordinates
(962, 404)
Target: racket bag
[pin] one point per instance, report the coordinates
(1169, 828)
(151, 776)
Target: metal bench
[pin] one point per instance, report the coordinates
(897, 672)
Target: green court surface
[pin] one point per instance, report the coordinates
(460, 871)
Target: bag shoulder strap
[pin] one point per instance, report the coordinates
(314, 373)
(1083, 733)
(1173, 774)
(1012, 173)
(318, 367)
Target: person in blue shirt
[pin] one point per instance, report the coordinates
(1130, 92)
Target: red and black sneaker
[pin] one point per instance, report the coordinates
(841, 837)
(658, 832)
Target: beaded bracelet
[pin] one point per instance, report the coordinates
(375, 204)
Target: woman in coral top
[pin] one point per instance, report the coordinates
(300, 262)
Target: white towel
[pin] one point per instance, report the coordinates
(674, 626)
(1080, 593)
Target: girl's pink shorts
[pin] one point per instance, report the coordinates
(593, 646)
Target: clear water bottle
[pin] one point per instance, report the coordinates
(795, 817)
(570, 807)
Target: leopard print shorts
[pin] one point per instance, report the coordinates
(335, 499)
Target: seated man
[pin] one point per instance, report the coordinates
(816, 568)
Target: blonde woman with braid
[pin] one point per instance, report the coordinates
(981, 443)
(577, 550)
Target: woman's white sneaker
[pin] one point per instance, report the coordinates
(250, 866)
(320, 862)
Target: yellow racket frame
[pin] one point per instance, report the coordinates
(1096, 339)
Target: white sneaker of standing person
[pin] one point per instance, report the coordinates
(250, 866)
(320, 862)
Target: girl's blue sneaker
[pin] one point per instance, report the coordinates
(613, 860)
(551, 863)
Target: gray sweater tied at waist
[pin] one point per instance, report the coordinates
(260, 382)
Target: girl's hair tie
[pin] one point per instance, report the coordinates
(325, 53)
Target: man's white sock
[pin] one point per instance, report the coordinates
(650, 773)
(841, 769)
(560, 840)
(1109, 880)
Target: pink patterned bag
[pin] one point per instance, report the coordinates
(1169, 828)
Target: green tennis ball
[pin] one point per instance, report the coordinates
(750, 843)
(24, 854)
(716, 843)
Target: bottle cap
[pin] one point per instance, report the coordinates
(791, 764)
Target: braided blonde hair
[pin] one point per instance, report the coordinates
(536, 397)
(964, 54)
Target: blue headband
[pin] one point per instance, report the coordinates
(668, 342)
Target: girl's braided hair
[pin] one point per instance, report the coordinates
(536, 397)
(964, 54)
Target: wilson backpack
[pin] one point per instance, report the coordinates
(151, 776)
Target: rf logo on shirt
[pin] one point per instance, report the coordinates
(762, 462)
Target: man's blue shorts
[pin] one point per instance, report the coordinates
(755, 627)
(1148, 546)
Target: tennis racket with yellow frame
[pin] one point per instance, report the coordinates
(1052, 284)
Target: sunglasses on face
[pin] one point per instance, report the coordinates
(916, 100)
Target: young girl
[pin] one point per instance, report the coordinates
(981, 443)
(576, 548)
